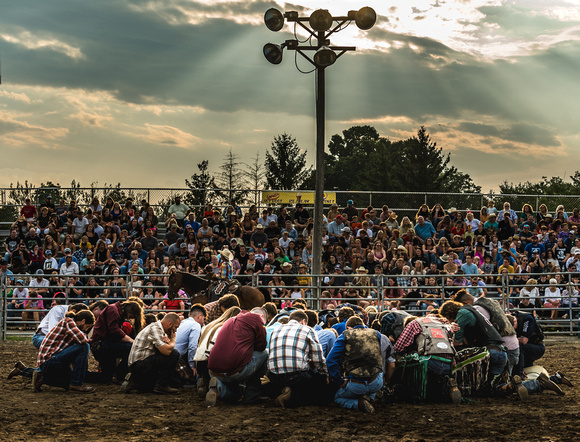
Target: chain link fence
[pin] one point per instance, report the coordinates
(404, 203)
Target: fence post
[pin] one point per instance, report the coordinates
(505, 292)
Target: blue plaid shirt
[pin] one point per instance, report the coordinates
(295, 347)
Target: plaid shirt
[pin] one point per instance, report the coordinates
(295, 347)
(146, 342)
(407, 338)
(62, 335)
(226, 270)
(213, 312)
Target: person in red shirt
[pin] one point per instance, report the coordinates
(28, 211)
(110, 342)
(239, 356)
(65, 344)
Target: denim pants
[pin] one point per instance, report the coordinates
(529, 353)
(513, 357)
(437, 374)
(106, 353)
(497, 361)
(229, 386)
(348, 396)
(56, 371)
(155, 370)
(37, 340)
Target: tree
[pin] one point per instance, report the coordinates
(201, 187)
(376, 163)
(232, 179)
(285, 164)
(255, 174)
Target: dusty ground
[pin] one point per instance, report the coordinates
(107, 414)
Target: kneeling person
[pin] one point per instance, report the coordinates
(65, 344)
(153, 358)
(238, 357)
(358, 350)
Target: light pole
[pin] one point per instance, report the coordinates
(320, 25)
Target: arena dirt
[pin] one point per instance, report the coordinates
(109, 415)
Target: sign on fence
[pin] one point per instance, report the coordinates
(295, 197)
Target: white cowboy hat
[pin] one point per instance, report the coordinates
(226, 254)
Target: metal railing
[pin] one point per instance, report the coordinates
(564, 322)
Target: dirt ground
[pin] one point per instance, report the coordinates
(107, 414)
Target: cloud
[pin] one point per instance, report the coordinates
(15, 96)
(18, 133)
(169, 136)
(42, 42)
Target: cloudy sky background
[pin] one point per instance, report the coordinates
(139, 92)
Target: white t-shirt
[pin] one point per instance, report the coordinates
(80, 225)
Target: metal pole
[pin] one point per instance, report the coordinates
(319, 190)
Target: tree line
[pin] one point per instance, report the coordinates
(359, 159)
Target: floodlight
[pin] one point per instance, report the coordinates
(324, 57)
(321, 20)
(365, 18)
(274, 19)
(273, 53)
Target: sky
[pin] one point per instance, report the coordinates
(141, 91)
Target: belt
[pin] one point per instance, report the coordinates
(363, 381)
(223, 375)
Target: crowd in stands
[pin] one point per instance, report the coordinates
(366, 253)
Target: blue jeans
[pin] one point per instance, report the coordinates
(37, 339)
(529, 353)
(497, 361)
(228, 386)
(56, 371)
(348, 396)
(437, 374)
(513, 357)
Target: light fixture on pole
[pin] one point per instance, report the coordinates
(320, 25)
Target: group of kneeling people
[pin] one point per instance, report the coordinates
(253, 356)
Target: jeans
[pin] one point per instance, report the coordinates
(437, 374)
(37, 339)
(229, 386)
(155, 370)
(497, 361)
(513, 357)
(348, 396)
(308, 387)
(56, 371)
(106, 353)
(529, 353)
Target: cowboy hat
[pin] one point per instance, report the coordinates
(226, 254)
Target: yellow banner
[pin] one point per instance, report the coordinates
(289, 197)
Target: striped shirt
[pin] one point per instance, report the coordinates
(62, 335)
(295, 347)
(226, 270)
(147, 342)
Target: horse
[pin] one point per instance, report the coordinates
(198, 288)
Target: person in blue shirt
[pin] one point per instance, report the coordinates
(187, 338)
(343, 314)
(355, 363)
(326, 337)
(424, 229)
(469, 268)
(535, 248)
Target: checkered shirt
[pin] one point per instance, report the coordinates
(146, 342)
(62, 335)
(295, 347)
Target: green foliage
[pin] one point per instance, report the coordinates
(546, 188)
(200, 185)
(285, 164)
(232, 179)
(362, 160)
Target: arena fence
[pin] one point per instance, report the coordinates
(404, 203)
(565, 322)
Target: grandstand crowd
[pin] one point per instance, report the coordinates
(368, 254)
(375, 267)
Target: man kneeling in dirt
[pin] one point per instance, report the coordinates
(358, 351)
(238, 358)
(153, 358)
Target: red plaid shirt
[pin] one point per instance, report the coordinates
(62, 335)
(408, 336)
